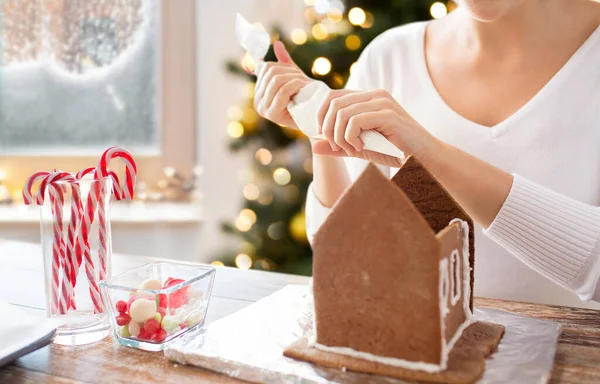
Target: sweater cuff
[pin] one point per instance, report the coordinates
(316, 213)
(554, 235)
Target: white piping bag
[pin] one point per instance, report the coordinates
(306, 103)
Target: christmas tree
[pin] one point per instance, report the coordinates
(271, 226)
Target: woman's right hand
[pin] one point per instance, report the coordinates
(276, 85)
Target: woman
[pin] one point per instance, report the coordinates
(500, 100)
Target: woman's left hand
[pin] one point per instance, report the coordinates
(345, 114)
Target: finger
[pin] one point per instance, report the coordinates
(322, 112)
(285, 94)
(335, 120)
(271, 70)
(282, 54)
(273, 88)
(351, 132)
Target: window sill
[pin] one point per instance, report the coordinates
(120, 213)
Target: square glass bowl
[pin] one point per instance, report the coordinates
(151, 305)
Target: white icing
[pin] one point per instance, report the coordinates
(391, 361)
(455, 278)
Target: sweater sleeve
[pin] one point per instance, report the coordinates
(552, 234)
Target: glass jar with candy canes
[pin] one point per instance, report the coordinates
(76, 242)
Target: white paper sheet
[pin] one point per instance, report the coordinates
(21, 333)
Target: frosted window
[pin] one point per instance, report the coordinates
(78, 75)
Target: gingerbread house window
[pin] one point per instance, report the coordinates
(455, 280)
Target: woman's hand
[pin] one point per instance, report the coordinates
(277, 83)
(345, 114)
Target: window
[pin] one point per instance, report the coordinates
(455, 280)
(79, 76)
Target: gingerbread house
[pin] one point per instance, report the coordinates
(392, 276)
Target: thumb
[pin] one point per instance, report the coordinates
(282, 54)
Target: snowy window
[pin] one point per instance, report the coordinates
(77, 76)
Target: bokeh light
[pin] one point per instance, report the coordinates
(282, 176)
(321, 66)
(438, 10)
(320, 31)
(264, 156)
(353, 42)
(357, 16)
(243, 261)
(299, 36)
(235, 129)
(251, 192)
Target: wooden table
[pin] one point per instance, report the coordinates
(21, 283)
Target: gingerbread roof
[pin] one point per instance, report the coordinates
(436, 205)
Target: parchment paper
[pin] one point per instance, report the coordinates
(249, 344)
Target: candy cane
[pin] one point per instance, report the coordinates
(60, 262)
(100, 200)
(85, 224)
(126, 192)
(28, 200)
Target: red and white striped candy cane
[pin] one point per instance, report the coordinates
(28, 200)
(99, 200)
(60, 262)
(126, 192)
(83, 233)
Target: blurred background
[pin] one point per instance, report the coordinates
(166, 80)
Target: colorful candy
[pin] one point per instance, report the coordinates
(142, 309)
(154, 317)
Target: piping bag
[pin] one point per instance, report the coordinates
(303, 108)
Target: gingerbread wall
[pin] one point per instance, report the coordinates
(375, 274)
(435, 204)
(451, 242)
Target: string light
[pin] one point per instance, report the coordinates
(352, 67)
(338, 80)
(266, 199)
(282, 176)
(322, 6)
(357, 16)
(249, 214)
(251, 192)
(243, 261)
(353, 42)
(319, 31)
(235, 113)
(321, 66)
(235, 129)
(369, 20)
(250, 118)
(335, 15)
(276, 231)
(218, 263)
(264, 156)
(299, 36)
(264, 264)
(438, 10)
(243, 223)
